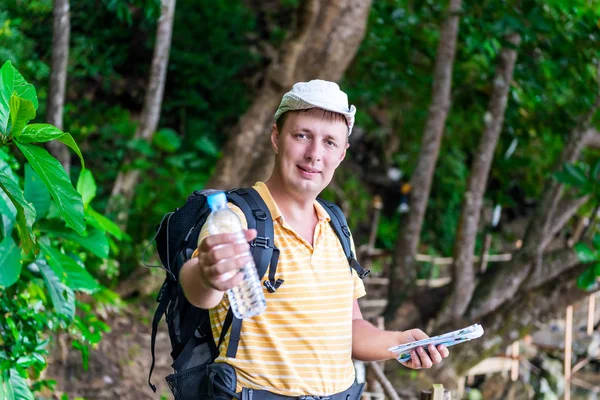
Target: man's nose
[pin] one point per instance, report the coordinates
(314, 152)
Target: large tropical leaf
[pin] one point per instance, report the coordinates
(8, 213)
(86, 186)
(7, 208)
(25, 210)
(12, 81)
(6, 391)
(77, 278)
(21, 112)
(67, 199)
(19, 385)
(62, 296)
(36, 192)
(10, 262)
(94, 240)
(41, 133)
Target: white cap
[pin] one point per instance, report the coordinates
(317, 94)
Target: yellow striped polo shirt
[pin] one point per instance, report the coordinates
(302, 343)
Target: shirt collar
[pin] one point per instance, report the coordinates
(264, 192)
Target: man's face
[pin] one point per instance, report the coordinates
(309, 149)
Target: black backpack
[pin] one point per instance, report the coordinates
(192, 342)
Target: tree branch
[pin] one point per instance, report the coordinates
(463, 271)
(555, 264)
(592, 138)
(565, 210)
(403, 273)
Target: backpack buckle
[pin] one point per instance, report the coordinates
(161, 292)
(360, 271)
(261, 241)
(364, 273)
(346, 231)
(272, 287)
(260, 214)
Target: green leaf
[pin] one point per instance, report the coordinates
(69, 141)
(36, 192)
(6, 390)
(25, 210)
(86, 186)
(10, 262)
(207, 146)
(77, 278)
(94, 240)
(21, 112)
(12, 81)
(167, 140)
(584, 253)
(8, 213)
(101, 222)
(41, 133)
(62, 296)
(595, 171)
(587, 279)
(572, 175)
(596, 241)
(19, 385)
(67, 199)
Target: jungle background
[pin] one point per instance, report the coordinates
(477, 132)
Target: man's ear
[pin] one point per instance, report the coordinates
(343, 154)
(275, 138)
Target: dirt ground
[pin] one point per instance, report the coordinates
(118, 368)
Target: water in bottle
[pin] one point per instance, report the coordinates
(247, 298)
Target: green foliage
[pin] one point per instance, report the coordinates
(554, 83)
(43, 263)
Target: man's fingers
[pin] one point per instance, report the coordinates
(224, 285)
(434, 354)
(216, 240)
(225, 238)
(443, 351)
(416, 362)
(226, 266)
(250, 234)
(425, 360)
(226, 251)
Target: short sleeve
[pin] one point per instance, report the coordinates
(204, 231)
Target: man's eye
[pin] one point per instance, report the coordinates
(330, 143)
(300, 135)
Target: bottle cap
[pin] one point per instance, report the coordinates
(216, 200)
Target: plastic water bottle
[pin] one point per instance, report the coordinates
(247, 298)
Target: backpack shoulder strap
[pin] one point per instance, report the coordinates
(263, 251)
(340, 227)
(259, 218)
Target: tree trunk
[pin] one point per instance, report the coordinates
(124, 187)
(321, 45)
(403, 273)
(61, 30)
(463, 271)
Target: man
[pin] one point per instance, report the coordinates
(304, 342)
